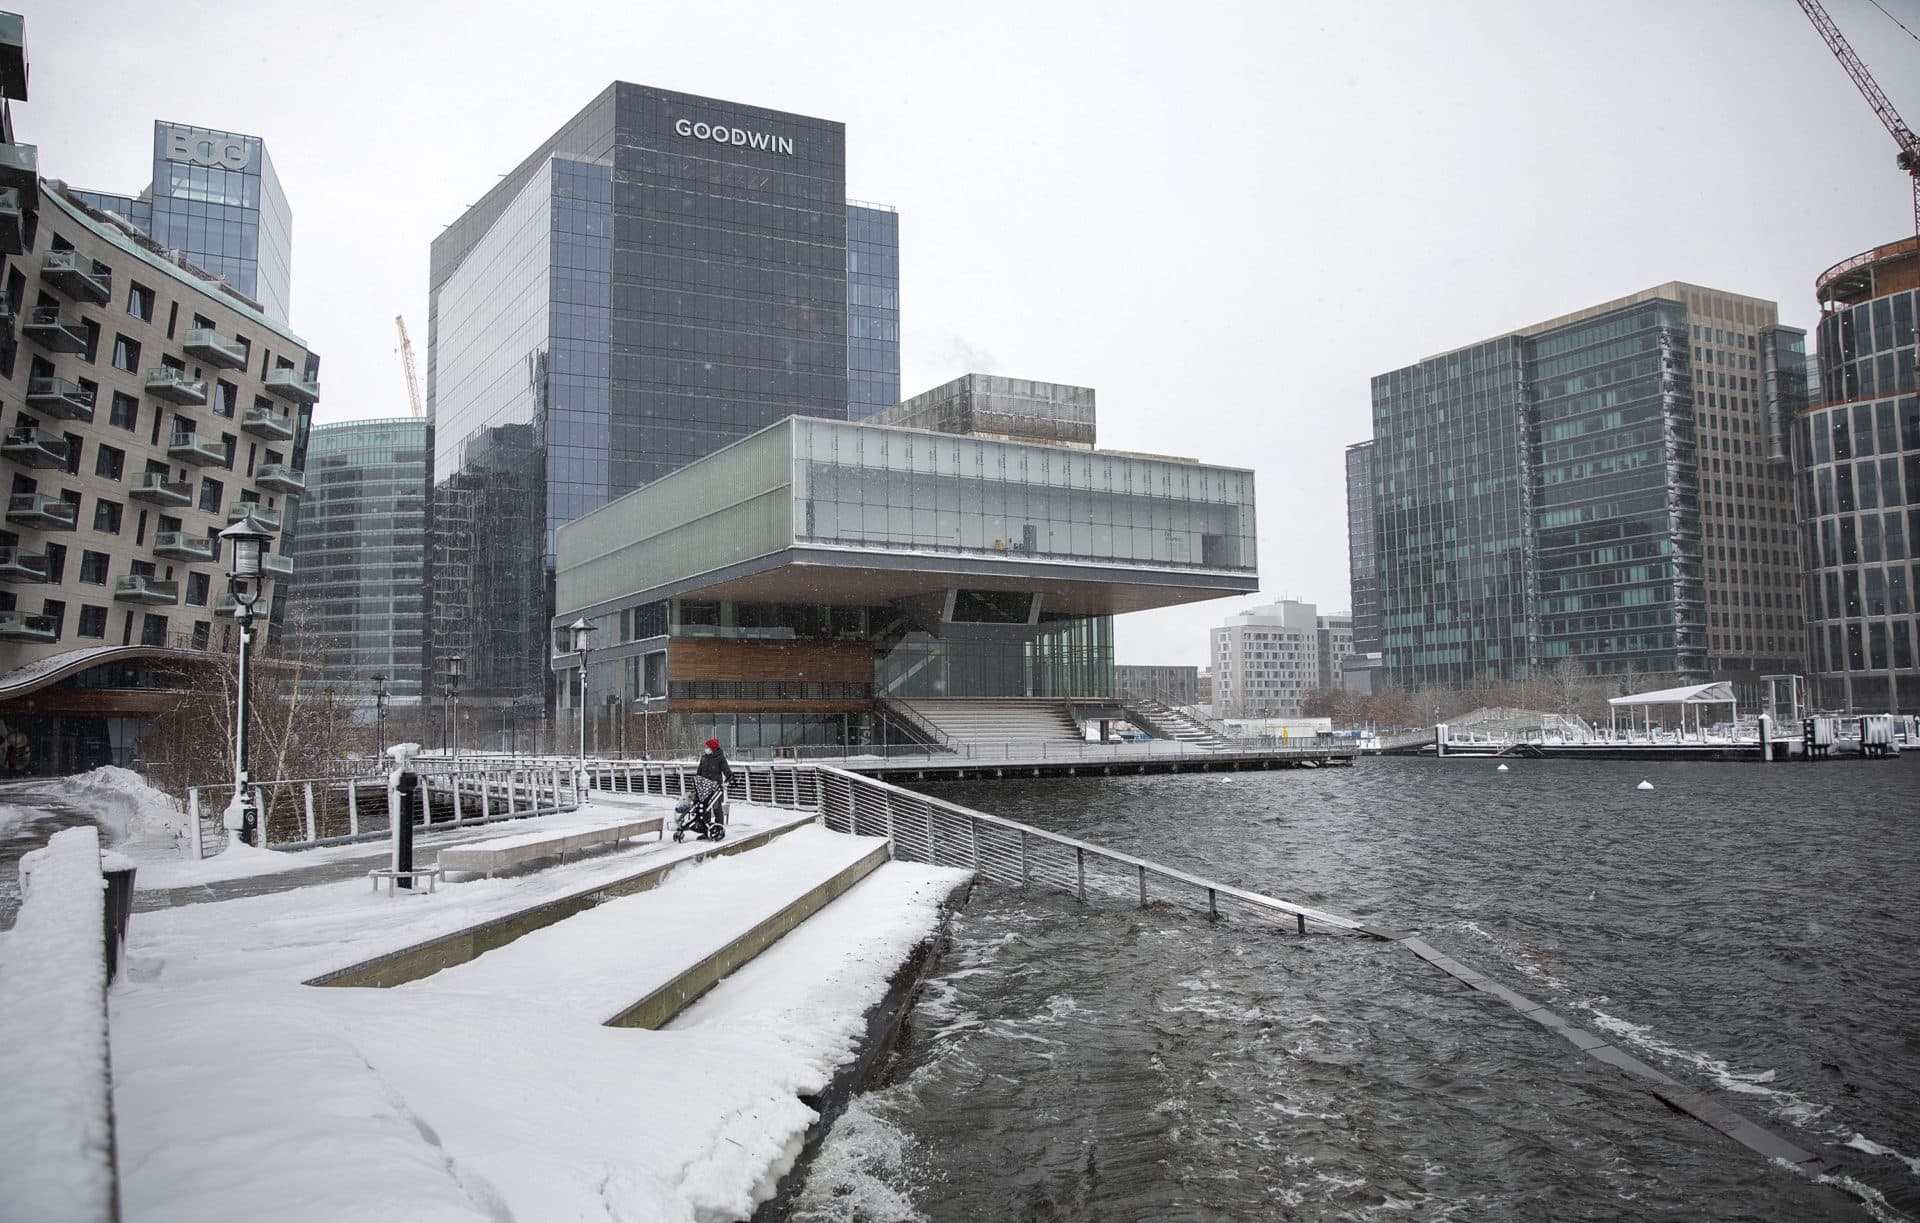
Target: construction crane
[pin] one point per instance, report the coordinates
(406, 359)
(1908, 158)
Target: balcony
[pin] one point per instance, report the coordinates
(13, 56)
(15, 225)
(228, 606)
(195, 449)
(54, 329)
(287, 384)
(276, 565)
(180, 546)
(58, 397)
(139, 588)
(267, 518)
(29, 447)
(17, 565)
(174, 386)
(210, 346)
(72, 273)
(280, 478)
(41, 512)
(154, 487)
(20, 169)
(264, 422)
(25, 627)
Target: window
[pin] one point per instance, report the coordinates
(109, 462)
(93, 568)
(106, 516)
(93, 340)
(153, 630)
(197, 587)
(126, 354)
(125, 411)
(74, 444)
(93, 621)
(201, 631)
(211, 491)
(56, 563)
(225, 395)
(140, 301)
(56, 611)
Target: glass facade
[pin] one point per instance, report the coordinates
(1362, 558)
(1453, 512)
(216, 199)
(1602, 488)
(358, 576)
(667, 275)
(873, 310)
(1616, 506)
(1857, 455)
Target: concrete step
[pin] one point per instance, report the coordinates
(637, 961)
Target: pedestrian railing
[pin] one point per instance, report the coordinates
(309, 812)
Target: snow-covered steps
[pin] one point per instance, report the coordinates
(639, 960)
(443, 951)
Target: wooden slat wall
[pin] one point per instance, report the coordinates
(808, 661)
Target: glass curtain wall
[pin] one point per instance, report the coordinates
(873, 310)
(1362, 561)
(1858, 458)
(1615, 493)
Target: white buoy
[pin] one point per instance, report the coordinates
(1645, 785)
(1501, 769)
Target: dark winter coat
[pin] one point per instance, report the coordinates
(714, 767)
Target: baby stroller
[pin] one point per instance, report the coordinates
(703, 816)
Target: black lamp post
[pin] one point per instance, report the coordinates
(247, 538)
(455, 664)
(581, 629)
(379, 716)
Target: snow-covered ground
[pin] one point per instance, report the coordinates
(240, 1093)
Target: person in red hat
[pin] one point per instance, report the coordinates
(713, 774)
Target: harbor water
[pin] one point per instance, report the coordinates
(1748, 929)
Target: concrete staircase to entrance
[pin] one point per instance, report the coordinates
(1163, 721)
(987, 720)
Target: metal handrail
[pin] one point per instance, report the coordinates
(915, 719)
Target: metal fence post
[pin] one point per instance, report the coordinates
(1080, 871)
(1026, 867)
(1143, 885)
(313, 833)
(193, 823)
(353, 807)
(456, 797)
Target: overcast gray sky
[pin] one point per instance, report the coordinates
(1224, 217)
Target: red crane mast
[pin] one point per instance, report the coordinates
(1908, 158)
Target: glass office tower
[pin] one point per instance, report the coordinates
(665, 275)
(1857, 452)
(1605, 488)
(215, 198)
(1362, 582)
(356, 554)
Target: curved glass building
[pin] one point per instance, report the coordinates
(1857, 454)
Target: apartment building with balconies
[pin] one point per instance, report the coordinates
(144, 406)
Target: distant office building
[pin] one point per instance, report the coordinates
(214, 198)
(1266, 660)
(359, 555)
(1017, 409)
(1609, 487)
(663, 276)
(1362, 674)
(1169, 685)
(1204, 686)
(149, 407)
(1334, 642)
(873, 309)
(1857, 452)
(1362, 579)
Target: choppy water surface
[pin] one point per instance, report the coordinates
(1747, 928)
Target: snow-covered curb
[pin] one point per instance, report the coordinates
(56, 1134)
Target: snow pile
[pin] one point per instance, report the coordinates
(56, 1134)
(141, 822)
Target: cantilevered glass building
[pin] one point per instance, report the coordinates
(665, 275)
(358, 555)
(1609, 488)
(781, 589)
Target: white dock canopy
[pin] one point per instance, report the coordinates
(1695, 697)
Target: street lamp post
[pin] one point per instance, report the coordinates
(455, 664)
(580, 629)
(248, 538)
(379, 716)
